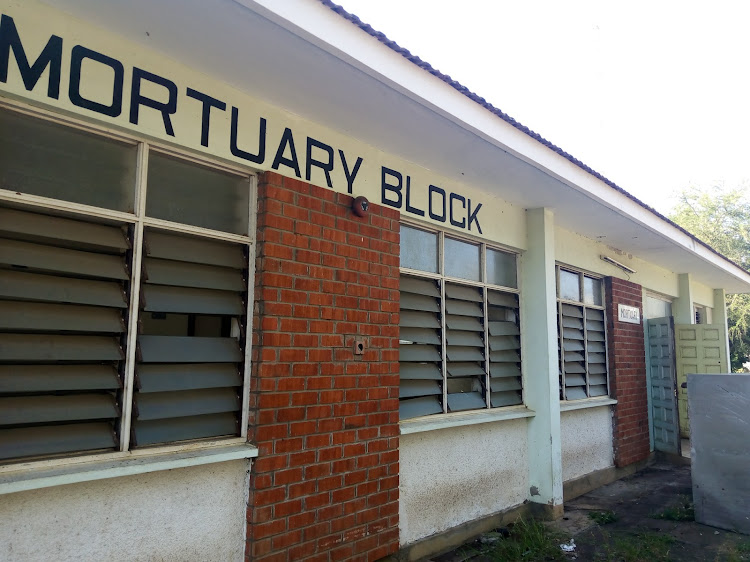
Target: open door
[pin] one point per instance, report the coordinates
(666, 427)
(700, 348)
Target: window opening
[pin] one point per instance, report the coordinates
(459, 332)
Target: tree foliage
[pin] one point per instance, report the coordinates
(721, 218)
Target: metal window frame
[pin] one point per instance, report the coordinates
(482, 284)
(581, 274)
(139, 222)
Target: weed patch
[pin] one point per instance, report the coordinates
(525, 540)
(641, 547)
(683, 510)
(603, 517)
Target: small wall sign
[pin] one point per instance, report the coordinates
(629, 314)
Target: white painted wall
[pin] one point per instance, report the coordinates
(578, 251)
(586, 441)
(195, 513)
(451, 476)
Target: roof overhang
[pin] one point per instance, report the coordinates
(328, 70)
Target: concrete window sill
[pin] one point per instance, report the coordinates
(586, 403)
(443, 421)
(57, 472)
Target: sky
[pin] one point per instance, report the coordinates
(653, 95)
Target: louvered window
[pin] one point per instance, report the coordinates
(117, 329)
(581, 336)
(460, 343)
(63, 285)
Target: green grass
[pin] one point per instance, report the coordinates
(739, 552)
(643, 547)
(526, 540)
(603, 517)
(682, 511)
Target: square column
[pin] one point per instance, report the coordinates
(540, 360)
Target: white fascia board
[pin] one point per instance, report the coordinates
(319, 25)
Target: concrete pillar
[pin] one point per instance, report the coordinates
(541, 370)
(682, 307)
(720, 318)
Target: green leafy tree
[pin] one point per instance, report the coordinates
(721, 218)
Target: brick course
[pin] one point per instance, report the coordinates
(627, 374)
(325, 484)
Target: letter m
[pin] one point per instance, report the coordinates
(50, 56)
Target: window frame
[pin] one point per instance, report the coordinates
(441, 278)
(138, 222)
(582, 274)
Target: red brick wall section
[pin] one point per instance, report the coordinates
(325, 483)
(627, 374)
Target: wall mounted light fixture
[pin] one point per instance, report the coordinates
(618, 264)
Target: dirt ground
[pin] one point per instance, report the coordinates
(628, 526)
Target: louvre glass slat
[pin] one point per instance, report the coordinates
(18, 410)
(573, 379)
(160, 405)
(55, 439)
(500, 343)
(572, 334)
(184, 274)
(40, 317)
(49, 288)
(505, 356)
(498, 370)
(193, 250)
(504, 384)
(62, 260)
(177, 349)
(459, 402)
(594, 314)
(572, 311)
(463, 308)
(414, 388)
(503, 329)
(597, 379)
(596, 357)
(465, 369)
(572, 345)
(418, 352)
(420, 335)
(465, 323)
(456, 337)
(182, 376)
(464, 353)
(575, 392)
(506, 398)
(574, 368)
(597, 368)
(51, 378)
(415, 319)
(150, 432)
(599, 390)
(59, 231)
(576, 323)
(420, 371)
(419, 286)
(410, 301)
(462, 292)
(595, 336)
(416, 407)
(502, 299)
(161, 298)
(595, 347)
(51, 347)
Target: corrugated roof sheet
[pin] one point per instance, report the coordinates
(502, 115)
